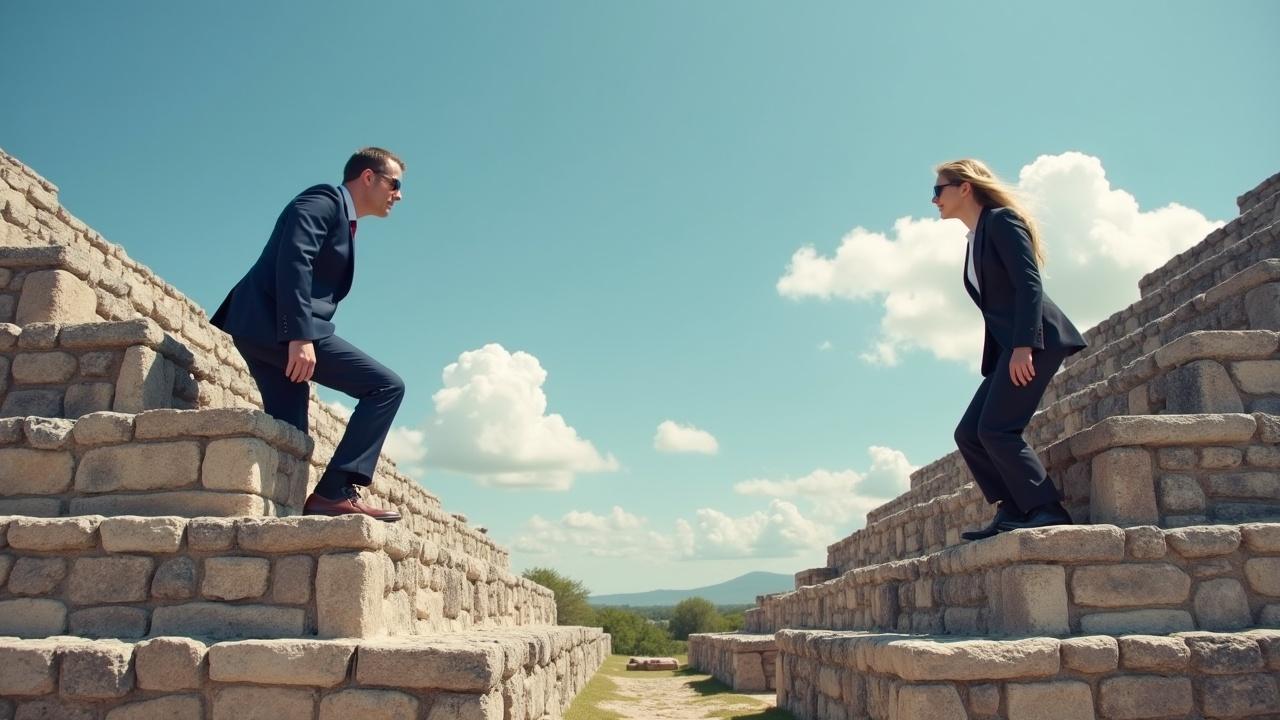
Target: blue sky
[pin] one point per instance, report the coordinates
(621, 214)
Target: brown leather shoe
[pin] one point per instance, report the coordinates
(320, 505)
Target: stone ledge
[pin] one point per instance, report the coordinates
(521, 673)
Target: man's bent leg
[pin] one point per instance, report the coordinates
(378, 391)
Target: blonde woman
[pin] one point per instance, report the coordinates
(1027, 339)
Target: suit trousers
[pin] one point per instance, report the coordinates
(990, 434)
(343, 367)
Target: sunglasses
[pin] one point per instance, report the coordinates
(937, 189)
(395, 182)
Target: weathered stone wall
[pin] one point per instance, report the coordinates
(746, 663)
(346, 577)
(883, 677)
(222, 462)
(508, 674)
(53, 371)
(1054, 581)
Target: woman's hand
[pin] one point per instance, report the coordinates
(1021, 369)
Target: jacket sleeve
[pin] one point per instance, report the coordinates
(1012, 241)
(306, 224)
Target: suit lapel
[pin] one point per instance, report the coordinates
(980, 247)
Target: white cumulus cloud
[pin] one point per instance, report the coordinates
(491, 422)
(841, 497)
(1099, 242)
(673, 437)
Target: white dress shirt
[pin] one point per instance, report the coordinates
(969, 270)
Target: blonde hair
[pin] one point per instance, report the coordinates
(991, 191)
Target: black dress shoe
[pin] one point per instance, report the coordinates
(1004, 511)
(1043, 516)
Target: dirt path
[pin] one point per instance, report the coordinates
(676, 698)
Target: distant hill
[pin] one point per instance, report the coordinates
(738, 591)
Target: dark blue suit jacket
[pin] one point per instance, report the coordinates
(1014, 306)
(294, 288)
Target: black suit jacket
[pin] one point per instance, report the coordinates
(1015, 308)
(305, 270)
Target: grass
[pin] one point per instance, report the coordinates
(720, 701)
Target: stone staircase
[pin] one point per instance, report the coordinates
(1163, 602)
(153, 563)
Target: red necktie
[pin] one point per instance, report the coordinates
(353, 229)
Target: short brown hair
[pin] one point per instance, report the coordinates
(369, 158)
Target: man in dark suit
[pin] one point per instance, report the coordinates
(280, 317)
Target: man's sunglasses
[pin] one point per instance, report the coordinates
(395, 182)
(937, 189)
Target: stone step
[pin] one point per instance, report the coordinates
(528, 673)
(1207, 371)
(1178, 275)
(743, 661)
(1165, 470)
(52, 370)
(823, 675)
(1263, 191)
(1054, 581)
(78, 263)
(350, 576)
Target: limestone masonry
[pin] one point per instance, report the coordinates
(1162, 602)
(153, 563)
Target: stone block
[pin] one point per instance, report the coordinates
(56, 296)
(291, 580)
(53, 709)
(1224, 654)
(1137, 621)
(293, 534)
(239, 464)
(24, 471)
(36, 575)
(1262, 307)
(1154, 653)
(455, 706)
(966, 660)
(349, 595)
(1202, 386)
(454, 665)
(181, 502)
(207, 534)
(1123, 489)
(102, 428)
(748, 674)
(1163, 430)
(39, 336)
(360, 703)
(263, 703)
(212, 422)
(1266, 456)
(1263, 575)
(1181, 494)
(1222, 605)
(98, 365)
(984, 699)
(1033, 601)
(145, 382)
(1264, 485)
(1145, 696)
(225, 622)
(87, 398)
(1176, 458)
(26, 403)
(96, 671)
(28, 668)
(144, 535)
(938, 702)
(1220, 458)
(178, 707)
(170, 663)
(1129, 584)
(1204, 541)
(53, 534)
(43, 368)
(109, 622)
(1257, 377)
(1145, 542)
(1091, 654)
(235, 578)
(47, 433)
(152, 466)
(6, 564)
(32, 507)
(1059, 700)
(175, 579)
(316, 663)
(97, 580)
(1241, 696)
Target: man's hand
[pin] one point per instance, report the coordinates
(302, 360)
(1021, 369)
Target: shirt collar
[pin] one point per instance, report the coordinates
(348, 205)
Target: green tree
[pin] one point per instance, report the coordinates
(694, 615)
(571, 596)
(634, 634)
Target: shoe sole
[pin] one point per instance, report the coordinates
(316, 513)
